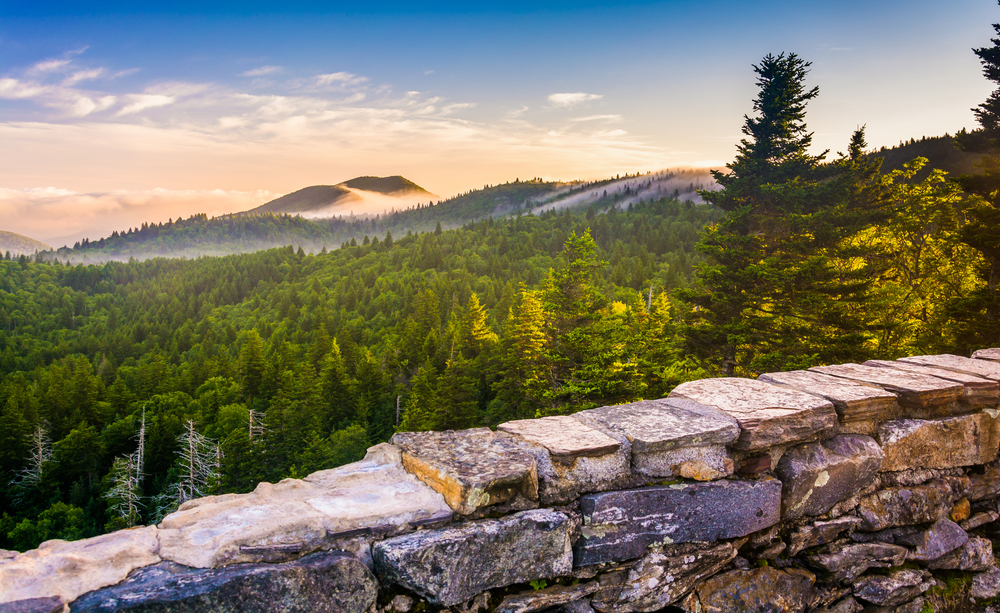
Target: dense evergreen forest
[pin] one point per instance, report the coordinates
(291, 362)
(127, 388)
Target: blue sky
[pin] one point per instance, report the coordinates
(121, 113)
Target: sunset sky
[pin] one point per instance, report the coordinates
(116, 116)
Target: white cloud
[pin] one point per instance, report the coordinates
(13, 89)
(82, 75)
(48, 66)
(263, 70)
(141, 102)
(605, 118)
(339, 78)
(572, 99)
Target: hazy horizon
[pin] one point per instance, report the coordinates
(137, 114)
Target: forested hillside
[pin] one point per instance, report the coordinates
(292, 362)
(256, 231)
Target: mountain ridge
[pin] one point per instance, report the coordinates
(317, 198)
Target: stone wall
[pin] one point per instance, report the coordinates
(843, 488)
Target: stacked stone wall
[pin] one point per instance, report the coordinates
(847, 488)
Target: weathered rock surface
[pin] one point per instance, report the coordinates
(281, 521)
(992, 354)
(571, 458)
(978, 391)
(547, 598)
(768, 415)
(761, 590)
(979, 519)
(852, 400)
(975, 555)
(939, 443)
(986, 484)
(69, 569)
(52, 604)
(820, 533)
(327, 582)
(669, 437)
(844, 605)
(565, 438)
(663, 576)
(451, 565)
(472, 469)
(980, 368)
(903, 506)
(620, 525)
(816, 476)
(847, 561)
(986, 584)
(893, 589)
(913, 390)
(942, 537)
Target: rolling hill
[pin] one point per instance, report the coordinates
(18, 244)
(336, 199)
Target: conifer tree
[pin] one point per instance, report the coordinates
(422, 401)
(522, 380)
(980, 310)
(773, 295)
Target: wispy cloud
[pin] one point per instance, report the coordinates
(339, 78)
(141, 102)
(82, 75)
(605, 118)
(263, 70)
(572, 99)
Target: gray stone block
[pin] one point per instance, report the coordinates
(768, 415)
(472, 469)
(906, 506)
(979, 392)
(329, 582)
(621, 525)
(451, 565)
(914, 391)
(893, 589)
(852, 400)
(663, 576)
(847, 561)
(964, 440)
(669, 437)
(957, 363)
(816, 476)
(761, 590)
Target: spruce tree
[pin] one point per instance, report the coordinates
(776, 292)
(979, 311)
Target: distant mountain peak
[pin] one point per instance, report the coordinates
(321, 197)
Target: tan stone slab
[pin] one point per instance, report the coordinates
(69, 569)
(939, 443)
(767, 414)
(563, 436)
(661, 425)
(978, 391)
(472, 469)
(914, 390)
(992, 354)
(957, 363)
(300, 516)
(853, 401)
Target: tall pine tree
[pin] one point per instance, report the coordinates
(980, 310)
(777, 293)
